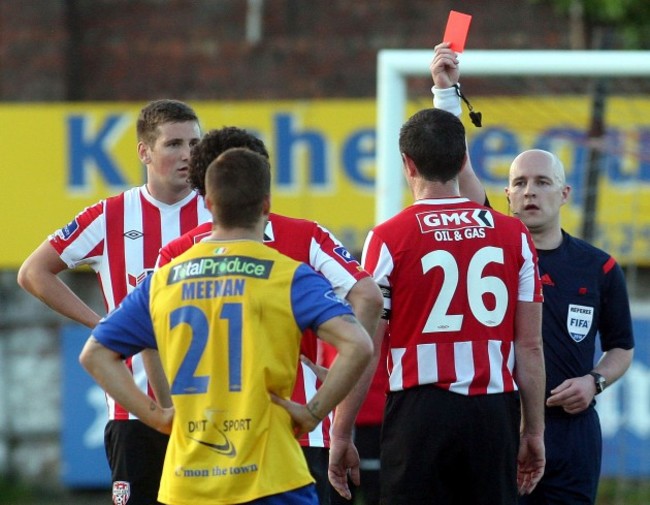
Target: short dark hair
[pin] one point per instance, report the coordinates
(159, 112)
(212, 145)
(237, 183)
(435, 140)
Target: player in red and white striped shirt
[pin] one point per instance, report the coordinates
(310, 243)
(463, 314)
(119, 238)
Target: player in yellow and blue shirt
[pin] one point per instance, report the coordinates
(227, 318)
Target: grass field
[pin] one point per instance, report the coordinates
(624, 492)
(21, 494)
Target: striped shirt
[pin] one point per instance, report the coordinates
(120, 238)
(452, 273)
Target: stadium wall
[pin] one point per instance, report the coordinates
(58, 50)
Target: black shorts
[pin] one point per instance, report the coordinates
(318, 459)
(135, 454)
(573, 456)
(444, 448)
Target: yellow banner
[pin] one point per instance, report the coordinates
(60, 158)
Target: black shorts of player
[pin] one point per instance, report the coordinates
(318, 461)
(444, 448)
(574, 445)
(135, 454)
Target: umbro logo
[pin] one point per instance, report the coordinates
(133, 234)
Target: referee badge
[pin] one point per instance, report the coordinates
(579, 320)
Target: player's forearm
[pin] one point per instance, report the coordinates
(530, 374)
(111, 374)
(531, 380)
(354, 353)
(60, 298)
(348, 409)
(156, 376)
(341, 379)
(38, 275)
(53, 292)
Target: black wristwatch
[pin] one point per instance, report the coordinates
(600, 381)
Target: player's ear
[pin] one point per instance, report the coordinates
(143, 153)
(409, 166)
(208, 202)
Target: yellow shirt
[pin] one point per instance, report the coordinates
(227, 318)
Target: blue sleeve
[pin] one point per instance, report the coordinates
(615, 325)
(128, 329)
(313, 299)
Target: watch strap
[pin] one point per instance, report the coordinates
(600, 381)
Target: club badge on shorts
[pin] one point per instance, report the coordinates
(121, 492)
(578, 321)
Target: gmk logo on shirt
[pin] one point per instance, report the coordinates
(578, 321)
(121, 492)
(455, 220)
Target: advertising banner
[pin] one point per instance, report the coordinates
(60, 158)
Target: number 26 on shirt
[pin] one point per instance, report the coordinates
(440, 320)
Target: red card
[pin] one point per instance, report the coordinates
(456, 31)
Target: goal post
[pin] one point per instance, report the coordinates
(394, 66)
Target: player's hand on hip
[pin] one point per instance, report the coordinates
(166, 420)
(302, 420)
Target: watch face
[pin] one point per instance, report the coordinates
(600, 381)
